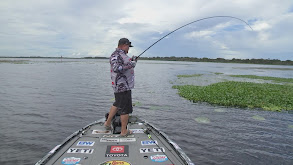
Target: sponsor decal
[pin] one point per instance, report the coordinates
(149, 142)
(70, 161)
(144, 150)
(127, 140)
(115, 162)
(101, 132)
(157, 149)
(85, 143)
(109, 140)
(137, 130)
(150, 150)
(117, 151)
(117, 140)
(80, 150)
(115, 136)
(159, 158)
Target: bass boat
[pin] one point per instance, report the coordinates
(95, 145)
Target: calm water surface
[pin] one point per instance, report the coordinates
(43, 101)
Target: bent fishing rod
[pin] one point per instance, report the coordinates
(189, 24)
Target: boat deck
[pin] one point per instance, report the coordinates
(95, 145)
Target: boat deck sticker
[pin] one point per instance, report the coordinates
(127, 139)
(117, 151)
(157, 149)
(150, 150)
(159, 158)
(115, 162)
(115, 136)
(149, 142)
(137, 130)
(80, 150)
(85, 143)
(117, 140)
(71, 161)
(109, 140)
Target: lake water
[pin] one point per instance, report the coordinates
(43, 101)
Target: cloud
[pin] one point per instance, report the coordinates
(93, 28)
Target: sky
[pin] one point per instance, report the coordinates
(92, 28)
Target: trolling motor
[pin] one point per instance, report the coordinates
(116, 123)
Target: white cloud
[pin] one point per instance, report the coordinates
(93, 28)
(260, 26)
(200, 34)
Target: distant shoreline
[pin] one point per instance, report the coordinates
(189, 59)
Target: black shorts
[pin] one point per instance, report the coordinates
(123, 102)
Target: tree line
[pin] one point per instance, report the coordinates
(222, 60)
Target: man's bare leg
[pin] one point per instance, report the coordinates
(113, 111)
(124, 122)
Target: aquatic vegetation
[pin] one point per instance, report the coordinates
(273, 97)
(14, 61)
(256, 117)
(137, 103)
(275, 79)
(290, 126)
(154, 107)
(189, 75)
(218, 73)
(219, 110)
(159, 107)
(203, 120)
(263, 68)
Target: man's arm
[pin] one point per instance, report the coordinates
(118, 66)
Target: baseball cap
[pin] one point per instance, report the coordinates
(124, 41)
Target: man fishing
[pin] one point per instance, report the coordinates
(122, 75)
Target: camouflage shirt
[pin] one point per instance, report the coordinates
(122, 72)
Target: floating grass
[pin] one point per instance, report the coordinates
(256, 117)
(273, 97)
(137, 103)
(203, 120)
(189, 75)
(218, 73)
(219, 110)
(14, 61)
(262, 68)
(159, 107)
(276, 79)
(155, 107)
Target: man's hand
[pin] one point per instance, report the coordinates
(134, 58)
(133, 63)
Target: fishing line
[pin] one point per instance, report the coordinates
(192, 23)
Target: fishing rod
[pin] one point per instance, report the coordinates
(189, 24)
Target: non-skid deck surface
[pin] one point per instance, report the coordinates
(97, 146)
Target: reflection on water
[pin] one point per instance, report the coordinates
(45, 100)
